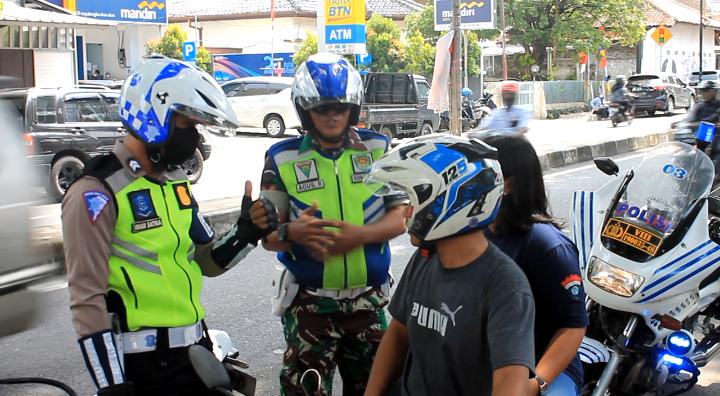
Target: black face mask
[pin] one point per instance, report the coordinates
(179, 148)
(508, 100)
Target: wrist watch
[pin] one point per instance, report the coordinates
(284, 232)
(543, 384)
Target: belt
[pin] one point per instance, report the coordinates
(343, 294)
(146, 340)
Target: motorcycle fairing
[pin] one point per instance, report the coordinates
(592, 351)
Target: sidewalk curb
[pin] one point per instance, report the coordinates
(560, 158)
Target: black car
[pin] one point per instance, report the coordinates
(66, 127)
(660, 92)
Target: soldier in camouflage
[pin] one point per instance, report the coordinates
(341, 278)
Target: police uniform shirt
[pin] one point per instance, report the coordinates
(508, 119)
(89, 217)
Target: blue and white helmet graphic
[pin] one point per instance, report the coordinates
(161, 86)
(455, 184)
(326, 78)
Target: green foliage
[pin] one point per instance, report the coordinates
(309, 47)
(420, 25)
(204, 59)
(560, 24)
(170, 44)
(383, 42)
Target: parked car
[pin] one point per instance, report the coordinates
(19, 303)
(263, 102)
(660, 92)
(63, 128)
(395, 104)
(713, 75)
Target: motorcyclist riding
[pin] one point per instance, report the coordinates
(621, 95)
(705, 110)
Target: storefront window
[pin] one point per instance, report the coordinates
(4, 36)
(53, 37)
(14, 37)
(25, 37)
(62, 38)
(43, 37)
(34, 37)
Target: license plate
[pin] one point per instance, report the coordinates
(632, 235)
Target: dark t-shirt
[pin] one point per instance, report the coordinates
(704, 111)
(463, 323)
(550, 262)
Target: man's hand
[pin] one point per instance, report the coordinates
(349, 238)
(309, 231)
(533, 388)
(261, 214)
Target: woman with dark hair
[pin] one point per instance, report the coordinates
(525, 231)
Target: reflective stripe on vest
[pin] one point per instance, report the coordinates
(151, 263)
(337, 187)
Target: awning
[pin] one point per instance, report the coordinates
(12, 14)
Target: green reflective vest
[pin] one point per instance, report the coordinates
(337, 187)
(151, 264)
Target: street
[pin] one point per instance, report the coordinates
(238, 302)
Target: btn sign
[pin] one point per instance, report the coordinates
(662, 35)
(345, 26)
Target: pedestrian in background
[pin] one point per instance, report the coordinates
(509, 119)
(526, 231)
(336, 312)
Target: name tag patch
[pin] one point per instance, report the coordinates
(307, 176)
(143, 210)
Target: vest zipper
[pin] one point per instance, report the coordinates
(130, 286)
(167, 211)
(342, 218)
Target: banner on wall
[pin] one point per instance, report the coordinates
(345, 26)
(141, 11)
(228, 67)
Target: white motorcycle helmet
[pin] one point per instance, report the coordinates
(455, 184)
(160, 87)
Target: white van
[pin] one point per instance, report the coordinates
(263, 102)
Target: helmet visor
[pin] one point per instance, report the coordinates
(383, 188)
(202, 117)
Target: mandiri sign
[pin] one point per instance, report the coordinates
(141, 11)
(474, 15)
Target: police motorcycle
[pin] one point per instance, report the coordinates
(650, 264)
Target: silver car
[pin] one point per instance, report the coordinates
(263, 102)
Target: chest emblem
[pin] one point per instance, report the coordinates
(362, 163)
(143, 211)
(307, 176)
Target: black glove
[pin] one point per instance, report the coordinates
(233, 247)
(124, 389)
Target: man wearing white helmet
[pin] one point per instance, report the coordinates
(463, 311)
(337, 316)
(135, 245)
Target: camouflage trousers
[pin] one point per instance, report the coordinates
(321, 333)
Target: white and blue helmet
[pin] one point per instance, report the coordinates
(326, 78)
(455, 184)
(160, 87)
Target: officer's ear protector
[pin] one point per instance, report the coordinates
(306, 121)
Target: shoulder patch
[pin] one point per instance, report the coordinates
(572, 284)
(95, 202)
(287, 144)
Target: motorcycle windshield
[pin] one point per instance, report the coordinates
(654, 210)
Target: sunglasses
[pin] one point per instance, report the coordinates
(333, 107)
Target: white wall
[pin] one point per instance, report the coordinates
(253, 35)
(680, 54)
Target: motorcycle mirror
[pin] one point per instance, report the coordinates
(210, 371)
(607, 166)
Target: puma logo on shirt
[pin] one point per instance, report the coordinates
(432, 319)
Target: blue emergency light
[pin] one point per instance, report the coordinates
(705, 132)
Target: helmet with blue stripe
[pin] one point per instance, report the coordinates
(466, 92)
(326, 78)
(160, 87)
(455, 184)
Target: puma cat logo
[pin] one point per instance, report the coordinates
(447, 310)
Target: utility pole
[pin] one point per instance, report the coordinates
(465, 58)
(502, 37)
(455, 72)
(702, 6)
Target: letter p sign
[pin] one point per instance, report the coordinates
(189, 53)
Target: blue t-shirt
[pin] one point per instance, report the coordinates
(550, 262)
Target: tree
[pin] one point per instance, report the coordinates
(309, 47)
(420, 25)
(587, 25)
(383, 43)
(170, 45)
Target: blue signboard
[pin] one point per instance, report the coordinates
(228, 67)
(345, 34)
(188, 50)
(364, 59)
(121, 10)
(474, 15)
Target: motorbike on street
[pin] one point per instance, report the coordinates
(483, 107)
(650, 264)
(619, 113)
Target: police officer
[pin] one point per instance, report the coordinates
(135, 244)
(705, 110)
(337, 316)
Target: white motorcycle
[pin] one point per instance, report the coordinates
(651, 270)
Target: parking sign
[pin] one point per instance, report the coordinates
(189, 51)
